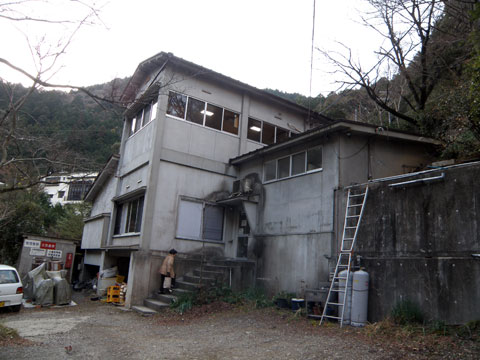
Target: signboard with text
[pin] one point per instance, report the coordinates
(37, 252)
(54, 253)
(31, 243)
(48, 245)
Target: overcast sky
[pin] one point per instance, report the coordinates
(264, 43)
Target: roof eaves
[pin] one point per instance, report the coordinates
(107, 171)
(360, 128)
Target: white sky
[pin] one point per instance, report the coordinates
(264, 43)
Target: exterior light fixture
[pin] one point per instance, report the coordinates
(255, 128)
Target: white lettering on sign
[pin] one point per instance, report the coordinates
(54, 253)
(31, 243)
(37, 252)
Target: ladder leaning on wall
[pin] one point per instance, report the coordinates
(353, 216)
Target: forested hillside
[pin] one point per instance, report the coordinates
(77, 123)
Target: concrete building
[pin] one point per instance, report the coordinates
(216, 168)
(68, 188)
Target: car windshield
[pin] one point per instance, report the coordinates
(8, 277)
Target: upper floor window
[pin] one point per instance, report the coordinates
(292, 165)
(202, 113)
(78, 189)
(129, 215)
(266, 133)
(199, 220)
(143, 117)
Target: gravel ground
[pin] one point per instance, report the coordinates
(96, 330)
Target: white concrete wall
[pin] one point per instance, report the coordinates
(193, 139)
(95, 232)
(294, 233)
(137, 148)
(175, 181)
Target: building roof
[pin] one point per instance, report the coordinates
(105, 174)
(160, 60)
(345, 126)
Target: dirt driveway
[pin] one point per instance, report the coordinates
(102, 331)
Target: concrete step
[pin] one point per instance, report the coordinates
(166, 298)
(215, 267)
(218, 275)
(143, 310)
(179, 292)
(155, 304)
(196, 279)
(185, 285)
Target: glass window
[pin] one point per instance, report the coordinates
(118, 220)
(154, 110)
(230, 122)
(132, 126)
(198, 220)
(213, 117)
(134, 215)
(270, 170)
(268, 133)
(254, 129)
(314, 158)
(147, 112)
(195, 111)
(213, 222)
(176, 105)
(8, 277)
(284, 167)
(282, 135)
(298, 163)
(189, 223)
(77, 189)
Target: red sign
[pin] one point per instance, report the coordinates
(48, 245)
(68, 261)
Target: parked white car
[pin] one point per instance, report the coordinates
(11, 288)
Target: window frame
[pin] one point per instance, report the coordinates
(201, 231)
(137, 122)
(276, 127)
(305, 172)
(203, 124)
(123, 212)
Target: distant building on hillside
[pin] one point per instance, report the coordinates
(68, 188)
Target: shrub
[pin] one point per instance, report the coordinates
(407, 312)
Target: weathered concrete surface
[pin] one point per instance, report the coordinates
(417, 243)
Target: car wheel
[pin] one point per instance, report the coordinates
(16, 308)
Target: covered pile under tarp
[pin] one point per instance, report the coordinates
(47, 287)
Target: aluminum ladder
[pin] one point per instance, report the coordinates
(353, 216)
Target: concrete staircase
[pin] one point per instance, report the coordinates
(211, 274)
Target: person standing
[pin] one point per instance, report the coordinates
(167, 270)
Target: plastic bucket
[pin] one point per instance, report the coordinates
(297, 304)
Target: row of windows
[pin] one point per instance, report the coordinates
(202, 113)
(143, 117)
(266, 133)
(128, 218)
(296, 164)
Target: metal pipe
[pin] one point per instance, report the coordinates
(424, 180)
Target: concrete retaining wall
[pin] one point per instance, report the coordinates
(417, 241)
